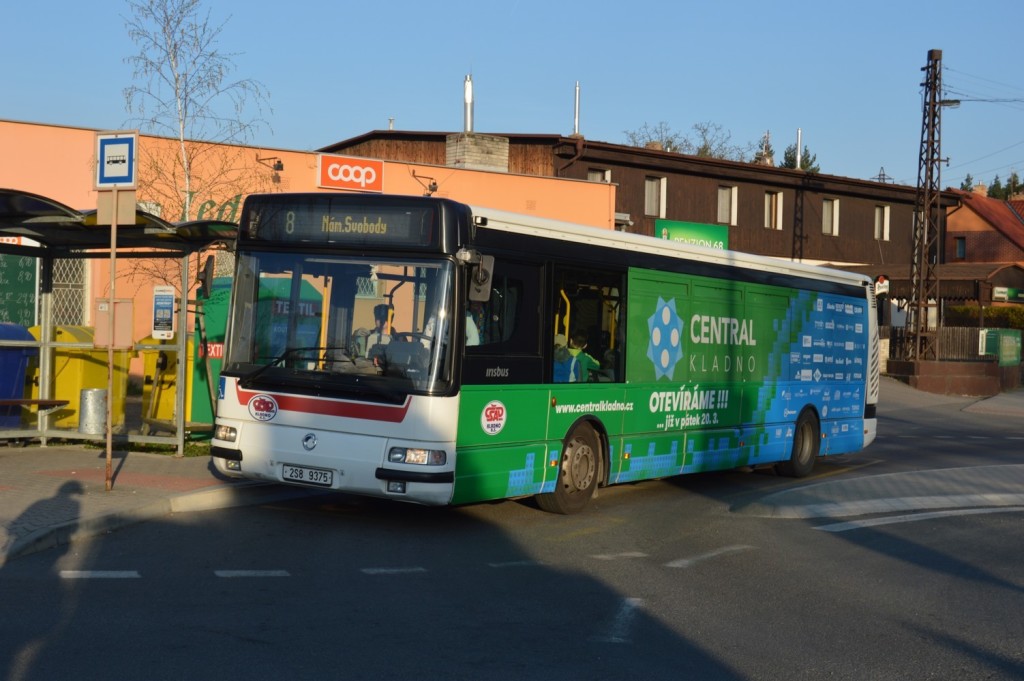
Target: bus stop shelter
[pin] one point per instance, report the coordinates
(34, 226)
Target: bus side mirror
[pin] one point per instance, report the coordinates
(480, 279)
(205, 278)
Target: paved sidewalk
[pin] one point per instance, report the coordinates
(934, 490)
(53, 495)
(929, 490)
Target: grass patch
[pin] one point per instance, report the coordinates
(192, 448)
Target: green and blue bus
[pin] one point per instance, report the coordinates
(426, 370)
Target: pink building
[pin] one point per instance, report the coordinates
(59, 162)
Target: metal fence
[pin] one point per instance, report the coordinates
(955, 343)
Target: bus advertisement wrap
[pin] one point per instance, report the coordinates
(359, 351)
(711, 391)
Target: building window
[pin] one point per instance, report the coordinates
(599, 175)
(882, 223)
(70, 280)
(366, 287)
(830, 217)
(773, 210)
(654, 196)
(961, 248)
(727, 205)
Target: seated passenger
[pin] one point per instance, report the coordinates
(578, 349)
(566, 367)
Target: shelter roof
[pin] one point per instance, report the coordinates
(59, 231)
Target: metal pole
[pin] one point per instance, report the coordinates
(924, 295)
(180, 374)
(110, 343)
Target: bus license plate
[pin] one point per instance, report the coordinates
(308, 476)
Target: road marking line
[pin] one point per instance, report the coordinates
(100, 574)
(392, 571)
(619, 630)
(230, 574)
(687, 562)
(516, 563)
(892, 520)
(616, 556)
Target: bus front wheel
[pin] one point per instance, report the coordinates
(806, 444)
(577, 473)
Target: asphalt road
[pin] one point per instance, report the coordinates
(659, 580)
(656, 581)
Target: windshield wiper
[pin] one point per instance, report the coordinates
(247, 380)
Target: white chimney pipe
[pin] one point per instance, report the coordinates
(799, 148)
(468, 97)
(576, 112)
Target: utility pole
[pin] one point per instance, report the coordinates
(922, 340)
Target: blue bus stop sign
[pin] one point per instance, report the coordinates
(115, 160)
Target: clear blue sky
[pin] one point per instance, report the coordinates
(847, 74)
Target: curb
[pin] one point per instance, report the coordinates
(233, 496)
(873, 506)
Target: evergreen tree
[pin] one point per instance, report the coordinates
(996, 191)
(1012, 185)
(765, 155)
(808, 161)
(968, 184)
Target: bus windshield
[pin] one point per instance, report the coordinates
(342, 326)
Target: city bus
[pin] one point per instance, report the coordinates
(408, 348)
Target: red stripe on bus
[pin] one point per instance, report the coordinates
(355, 410)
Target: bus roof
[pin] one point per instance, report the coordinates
(639, 243)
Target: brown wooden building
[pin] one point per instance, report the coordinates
(766, 210)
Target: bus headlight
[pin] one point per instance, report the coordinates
(423, 457)
(225, 433)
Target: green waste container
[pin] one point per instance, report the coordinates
(1003, 343)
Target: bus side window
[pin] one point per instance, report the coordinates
(499, 319)
(508, 326)
(587, 310)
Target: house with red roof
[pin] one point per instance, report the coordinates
(983, 229)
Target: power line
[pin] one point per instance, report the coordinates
(987, 80)
(982, 158)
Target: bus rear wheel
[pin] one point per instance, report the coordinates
(577, 473)
(806, 445)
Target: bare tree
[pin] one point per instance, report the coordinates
(183, 90)
(714, 141)
(660, 136)
(709, 140)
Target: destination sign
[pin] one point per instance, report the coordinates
(344, 220)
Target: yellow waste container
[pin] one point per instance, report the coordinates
(160, 385)
(78, 369)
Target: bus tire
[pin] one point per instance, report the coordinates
(578, 471)
(806, 445)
